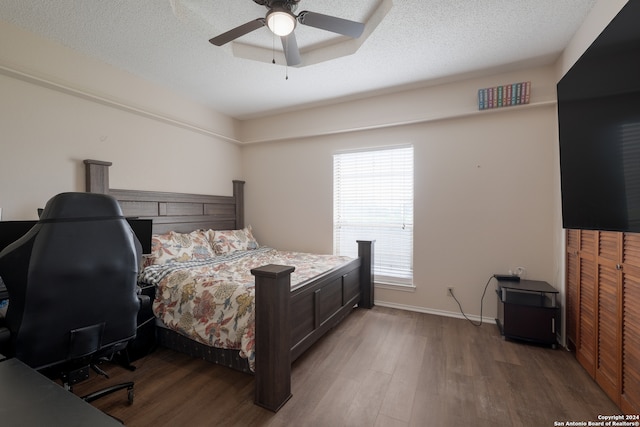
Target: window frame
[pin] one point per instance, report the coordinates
(407, 179)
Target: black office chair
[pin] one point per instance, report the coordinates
(72, 289)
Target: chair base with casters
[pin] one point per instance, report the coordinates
(72, 376)
(76, 371)
(106, 391)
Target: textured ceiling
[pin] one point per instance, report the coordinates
(406, 42)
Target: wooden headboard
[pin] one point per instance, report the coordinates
(180, 212)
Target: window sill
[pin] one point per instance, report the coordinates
(396, 286)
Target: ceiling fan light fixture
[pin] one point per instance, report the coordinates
(281, 22)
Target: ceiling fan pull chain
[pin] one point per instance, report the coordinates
(273, 48)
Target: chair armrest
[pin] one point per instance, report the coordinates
(145, 302)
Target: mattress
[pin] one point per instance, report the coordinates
(212, 300)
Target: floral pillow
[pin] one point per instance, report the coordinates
(177, 247)
(228, 241)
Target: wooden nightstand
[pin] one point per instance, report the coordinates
(528, 310)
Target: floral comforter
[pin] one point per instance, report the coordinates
(212, 301)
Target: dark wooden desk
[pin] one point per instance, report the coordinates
(28, 398)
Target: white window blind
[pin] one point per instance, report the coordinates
(373, 200)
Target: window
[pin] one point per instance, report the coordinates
(373, 200)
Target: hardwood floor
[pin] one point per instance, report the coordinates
(380, 367)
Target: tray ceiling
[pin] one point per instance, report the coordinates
(406, 43)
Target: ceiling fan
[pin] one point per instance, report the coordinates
(281, 21)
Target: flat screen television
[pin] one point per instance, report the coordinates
(10, 231)
(599, 130)
(142, 228)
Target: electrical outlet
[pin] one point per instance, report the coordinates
(449, 292)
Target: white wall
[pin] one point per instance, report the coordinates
(484, 185)
(58, 108)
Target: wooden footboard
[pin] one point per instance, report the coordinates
(288, 321)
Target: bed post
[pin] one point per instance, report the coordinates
(272, 335)
(238, 194)
(365, 252)
(96, 173)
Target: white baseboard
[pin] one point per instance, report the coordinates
(444, 313)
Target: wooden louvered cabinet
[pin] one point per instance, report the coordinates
(630, 313)
(608, 308)
(603, 310)
(571, 291)
(581, 296)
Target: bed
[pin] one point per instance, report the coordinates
(287, 319)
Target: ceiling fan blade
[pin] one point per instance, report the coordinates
(240, 31)
(290, 48)
(331, 23)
